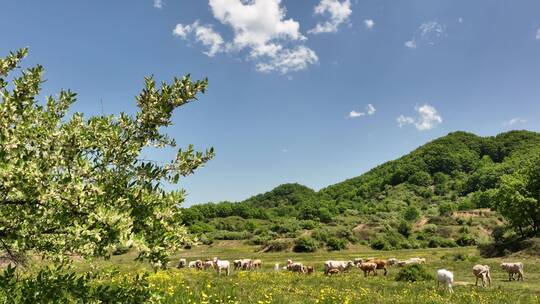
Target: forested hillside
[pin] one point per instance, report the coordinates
(442, 194)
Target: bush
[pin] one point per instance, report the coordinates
(230, 235)
(321, 235)
(305, 244)
(259, 240)
(380, 244)
(447, 208)
(59, 285)
(441, 242)
(278, 245)
(466, 240)
(206, 239)
(411, 214)
(414, 273)
(336, 244)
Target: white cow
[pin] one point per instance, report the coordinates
(512, 268)
(482, 272)
(221, 265)
(339, 265)
(446, 278)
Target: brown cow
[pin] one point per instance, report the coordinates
(381, 264)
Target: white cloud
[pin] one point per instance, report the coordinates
(460, 20)
(411, 44)
(369, 23)
(404, 120)
(432, 28)
(538, 34)
(289, 60)
(260, 29)
(514, 121)
(284, 150)
(338, 12)
(428, 33)
(371, 109)
(354, 114)
(158, 3)
(427, 118)
(204, 34)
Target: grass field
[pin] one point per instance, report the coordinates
(267, 286)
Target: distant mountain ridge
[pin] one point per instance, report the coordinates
(459, 171)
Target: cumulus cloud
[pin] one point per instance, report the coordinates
(203, 34)
(370, 110)
(538, 34)
(289, 60)
(404, 120)
(427, 118)
(338, 12)
(428, 33)
(411, 44)
(354, 114)
(261, 30)
(158, 3)
(369, 23)
(514, 121)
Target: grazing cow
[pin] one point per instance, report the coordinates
(512, 268)
(237, 264)
(181, 263)
(392, 261)
(221, 265)
(339, 265)
(381, 264)
(310, 269)
(482, 272)
(446, 278)
(197, 264)
(208, 264)
(256, 264)
(245, 264)
(367, 268)
(295, 267)
(332, 271)
(417, 260)
(358, 261)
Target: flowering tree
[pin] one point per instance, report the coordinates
(71, 184)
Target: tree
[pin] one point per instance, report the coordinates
(76, 185)
(518, 199)
(411, 213)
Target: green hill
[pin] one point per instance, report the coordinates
(440, 194)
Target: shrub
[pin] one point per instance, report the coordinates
(380, 244)
(305, 244)
(411, 214)
(59, 285)
(278, 245)
(259, 240)
(466, 240)
(230, 235)
(321, 235)
(430, 228)
(335, 244)
(206, 239)
(447, 208)
(435, 242)
(414, 273)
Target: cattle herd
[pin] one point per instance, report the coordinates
(368, 266)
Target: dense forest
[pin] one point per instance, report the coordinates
(457, 190)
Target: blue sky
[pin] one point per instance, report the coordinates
(291, 81)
